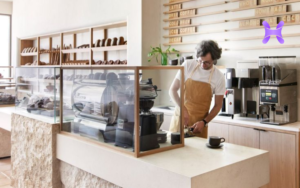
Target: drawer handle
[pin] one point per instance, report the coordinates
(259, 129)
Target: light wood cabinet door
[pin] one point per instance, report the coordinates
(243, 136)
(282, 156)
(218, 129)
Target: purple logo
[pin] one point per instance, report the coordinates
(270, 32)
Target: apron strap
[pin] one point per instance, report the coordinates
(211, 73)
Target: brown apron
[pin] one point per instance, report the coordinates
(197, 100)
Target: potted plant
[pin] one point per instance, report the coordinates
(155, 51)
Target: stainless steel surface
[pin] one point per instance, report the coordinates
(244, 100)
(286, 94)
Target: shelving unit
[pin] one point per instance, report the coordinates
(175, 28)
(36, 42)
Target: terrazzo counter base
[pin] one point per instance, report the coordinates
(194, 165)
(33, 153)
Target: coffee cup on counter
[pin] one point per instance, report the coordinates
(215, 141)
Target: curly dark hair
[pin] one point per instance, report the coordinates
(208, 46)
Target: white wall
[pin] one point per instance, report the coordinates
(35, 17)
(5, 7)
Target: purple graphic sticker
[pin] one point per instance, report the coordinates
(269, 32)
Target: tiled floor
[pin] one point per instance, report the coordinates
(5, 173)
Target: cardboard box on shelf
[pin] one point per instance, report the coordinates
(185, 22)
(265, 2)
(173, 31)
(187, 30)
(297, 18)
(175, 7)
(185, 13)
(249, 23)
(173, 15)
(273, 21)
(173, 23)
(248, 3)
(270, 10)
(175, 40)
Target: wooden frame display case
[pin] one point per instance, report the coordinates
(37, 92)
(80, 43)
(112, 107)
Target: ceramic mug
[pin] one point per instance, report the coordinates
(215, 140)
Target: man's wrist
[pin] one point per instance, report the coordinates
(205, 122)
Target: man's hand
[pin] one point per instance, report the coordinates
(185, 117)
(198, 127)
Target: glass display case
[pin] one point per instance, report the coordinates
(37, 92)
(113, 106)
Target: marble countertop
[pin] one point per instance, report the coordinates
(192, 166)
(247, 121)
(253, 122)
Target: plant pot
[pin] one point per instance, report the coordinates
(164, 59)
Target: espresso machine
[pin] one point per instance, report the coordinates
(232, 98)
(278, 92)
(248, 74)
(241, 96)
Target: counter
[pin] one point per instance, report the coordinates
(194, 165)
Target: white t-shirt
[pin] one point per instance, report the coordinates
(217, 81)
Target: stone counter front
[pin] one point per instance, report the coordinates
(33, 153)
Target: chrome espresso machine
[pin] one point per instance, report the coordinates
(278, 91)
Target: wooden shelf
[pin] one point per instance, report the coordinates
(6, 78)
(177, 2)
(201, 6)
(110, 48)
(263, 47)
(255, 17)
(82, 30)
(260, 37)
(195, 25)
(109, 26)
(76, 50)
(50, 35)
(6, 67)
(194, 16)
(259, 27)
(29, 54)
(188, 43)
(197, 33)
(260, 6)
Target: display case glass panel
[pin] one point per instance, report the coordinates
(160, 125)
(37, 92)
(99, 105)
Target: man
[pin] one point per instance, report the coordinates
(202, 79)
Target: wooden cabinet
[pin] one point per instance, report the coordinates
(243, 136)
(282, 146)
(218, 129)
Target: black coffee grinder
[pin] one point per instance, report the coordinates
(148, 123)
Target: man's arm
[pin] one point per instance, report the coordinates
(198, 126)
(173, 92)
